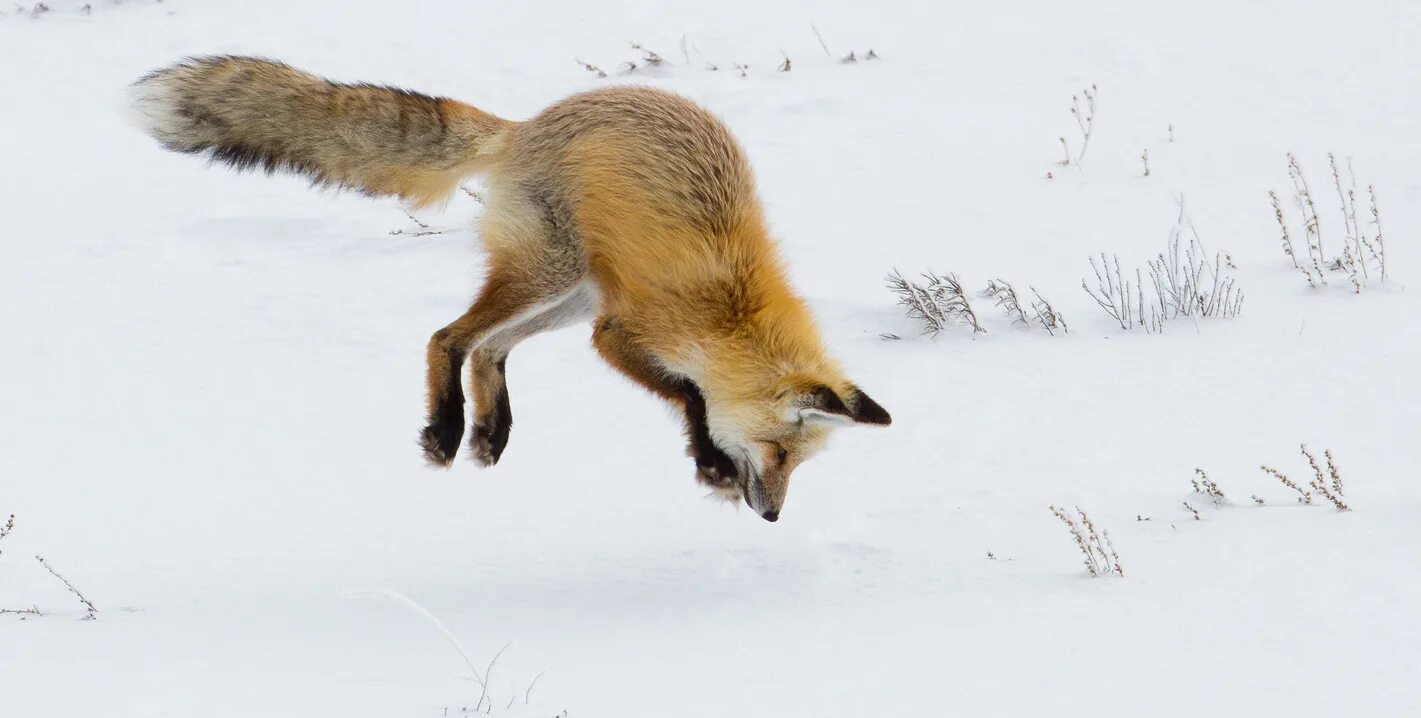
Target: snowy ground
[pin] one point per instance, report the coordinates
(212, 383)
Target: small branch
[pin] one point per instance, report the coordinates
(89, 605)
(528, 693)
(1303, 496)
(487, 673)
(7, 528)
(821, 40)
(590, 68)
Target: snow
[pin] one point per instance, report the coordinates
(213, 382)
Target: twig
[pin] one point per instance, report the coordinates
(1006, 299)
(487, 673)
(421, 610)
(1379, 254)
(1303, 496)
(424, 229)
(528, 693)
(7, 528)
(591, 68)
(821, 40)
(89, 605)
(1287, 241)
(1332, 470)
(1046, 314)
(648, 56)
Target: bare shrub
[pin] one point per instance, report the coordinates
(1085, 122)
(1113, 291)
(1203, 485)
(1319, 482)
(1100, 556)
(938, 303)
(1184, 281)
(1192, 510)
(1005, 297)
(1050, 319)
(1362, 253)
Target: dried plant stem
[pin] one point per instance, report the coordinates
(7, 528)
(1203, 485)
(1050, 319)
(1311, 226)
(1100, 556)
(1287, 240)
(1085, 119)
(938, 303)
(1006, 300)
(1303, 496)
(821, 40)
(590, 68)
(1333, 472)
(1379, 251)
(88, 605)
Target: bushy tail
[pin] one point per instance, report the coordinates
(252, 113)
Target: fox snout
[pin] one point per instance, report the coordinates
(760, 496)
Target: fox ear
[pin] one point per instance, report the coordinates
(823, 404)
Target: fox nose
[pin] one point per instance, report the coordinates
(771, 516)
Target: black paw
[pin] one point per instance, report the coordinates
(713, 467)
(440, 440)
(490, 434)
(487, 444)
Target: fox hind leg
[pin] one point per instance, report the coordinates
(493, 416)
(499, 303)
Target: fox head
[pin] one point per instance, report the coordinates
(769, 433)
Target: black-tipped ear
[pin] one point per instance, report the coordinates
(859, 408)
(867, 411)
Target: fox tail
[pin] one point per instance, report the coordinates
(251, 113)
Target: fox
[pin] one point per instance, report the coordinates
(628, 206)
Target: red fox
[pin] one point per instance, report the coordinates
(627, 205)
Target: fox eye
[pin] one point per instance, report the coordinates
(781, 453)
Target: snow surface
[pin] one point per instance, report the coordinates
(213, 382)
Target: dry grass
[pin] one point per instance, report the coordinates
(939, 302)
(1363, 255)
(1202, 485)
(1184, 282)
(1319, 482)
(1100, 558)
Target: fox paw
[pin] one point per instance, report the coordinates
(713, 467)
(440, 441)
(488, 441)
